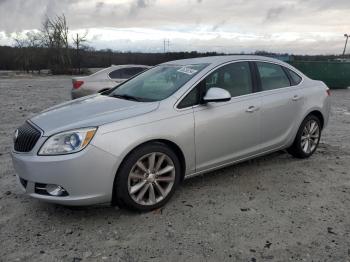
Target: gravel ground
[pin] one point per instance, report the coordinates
(274, 208)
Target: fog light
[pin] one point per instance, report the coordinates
(55, 190)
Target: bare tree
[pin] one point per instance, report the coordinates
(79, 41)
(55, 37)
(21, 55)
(33, 43)
(26, 47)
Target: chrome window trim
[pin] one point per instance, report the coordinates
(231, 62)
(208, 73)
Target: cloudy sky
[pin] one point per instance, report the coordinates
(294, 26)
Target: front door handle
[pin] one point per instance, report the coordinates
(252, 109)
(296, 98)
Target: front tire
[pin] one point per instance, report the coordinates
(147, 178)
(307, 138)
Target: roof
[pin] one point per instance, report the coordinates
(216, 60)
(130, 65)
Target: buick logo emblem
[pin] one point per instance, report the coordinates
(15, 136)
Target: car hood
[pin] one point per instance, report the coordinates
(89, 111)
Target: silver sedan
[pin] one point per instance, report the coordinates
(133, 145)
(104, 79)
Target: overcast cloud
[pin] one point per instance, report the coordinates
(298, 26)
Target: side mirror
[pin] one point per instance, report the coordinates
(216, 94)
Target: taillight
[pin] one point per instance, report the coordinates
(328, 92)
(77, 83)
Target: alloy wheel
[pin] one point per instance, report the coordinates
(310, 136)
(151, 178)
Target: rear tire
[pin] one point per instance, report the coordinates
(147, 178)
(307, 138)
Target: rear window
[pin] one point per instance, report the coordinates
(296, 79)
(115, 74)
(125, 73)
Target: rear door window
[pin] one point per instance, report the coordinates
(272, 76)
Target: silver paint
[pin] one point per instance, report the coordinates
(210, 136)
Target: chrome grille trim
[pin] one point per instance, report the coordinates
(28, 136)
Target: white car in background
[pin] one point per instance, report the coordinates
(104, 79)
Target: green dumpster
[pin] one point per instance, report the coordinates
(334, 74)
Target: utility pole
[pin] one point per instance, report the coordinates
(78, 42)
(346, 42)
(78, 58)
(166, 42)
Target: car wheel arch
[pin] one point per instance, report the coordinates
(314, 111)
(172, 145)
(319, 115)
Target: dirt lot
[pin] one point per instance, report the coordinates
(274, 208)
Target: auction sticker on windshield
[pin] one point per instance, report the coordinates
(187, 70)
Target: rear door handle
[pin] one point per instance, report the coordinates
(296, 98)
(252, 109)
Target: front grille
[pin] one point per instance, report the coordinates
(27, 138)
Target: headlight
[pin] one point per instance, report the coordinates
(67, 142)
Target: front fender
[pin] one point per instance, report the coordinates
(178, 130)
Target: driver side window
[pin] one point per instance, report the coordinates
(235, 78)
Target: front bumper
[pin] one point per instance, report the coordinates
(87, 176)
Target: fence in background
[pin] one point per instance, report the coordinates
(334, 74)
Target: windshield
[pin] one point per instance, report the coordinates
(157, 83)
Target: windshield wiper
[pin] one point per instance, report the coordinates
(127, 97)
